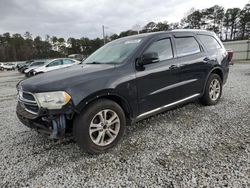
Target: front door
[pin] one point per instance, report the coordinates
(157, 83)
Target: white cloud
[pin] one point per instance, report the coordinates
(79, 18)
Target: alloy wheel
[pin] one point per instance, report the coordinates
(104, 127)
(214, 89)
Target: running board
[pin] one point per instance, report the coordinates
(160, 109)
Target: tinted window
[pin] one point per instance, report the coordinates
(67, 61)
(186, 46)
(163, 48)
(210, 42)
(55, 63)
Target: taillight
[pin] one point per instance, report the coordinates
(230, 56)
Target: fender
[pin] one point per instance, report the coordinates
(210, 72)
(109, 94)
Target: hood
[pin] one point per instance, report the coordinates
(31, 68)
(40, 68)
(62, 79)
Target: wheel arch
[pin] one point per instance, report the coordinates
(107, 94)
(216, 70)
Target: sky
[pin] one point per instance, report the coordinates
(84, 18)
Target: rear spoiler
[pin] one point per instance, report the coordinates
(230, 56)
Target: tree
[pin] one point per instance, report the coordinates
(161, 26)
(151, 26)
(214, 16)
(127, 33)
(226, 22)
(244, 21)
(194, 20)
(28, 35)
(233, 15)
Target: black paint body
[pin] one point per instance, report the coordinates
(137, 89)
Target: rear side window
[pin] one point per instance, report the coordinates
(55, 63)
(67, 61)
(163, 48)
(186, 46)
(210, 42)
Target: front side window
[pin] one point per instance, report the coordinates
(186, 46)
(163, 48)
(210, 42)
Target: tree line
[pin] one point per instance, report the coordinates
(228, 24)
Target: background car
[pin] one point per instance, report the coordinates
(78, 57)
(1, 66)
(55, 64)
(9, 66)
(37, 63)
(23, 66)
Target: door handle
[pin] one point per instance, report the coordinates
(207, 59)
(172, 67)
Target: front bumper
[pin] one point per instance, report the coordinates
(49, 122)
(32, 121)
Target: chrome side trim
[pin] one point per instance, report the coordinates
(166, 106)
(34, 113)
(173, 86)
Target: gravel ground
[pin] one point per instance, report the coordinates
(191, 146)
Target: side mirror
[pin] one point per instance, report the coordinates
(148, 58)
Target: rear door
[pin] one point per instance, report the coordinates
(192, 64)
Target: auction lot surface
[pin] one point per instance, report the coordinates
(191, 146)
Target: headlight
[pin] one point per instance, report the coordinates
(53, 100)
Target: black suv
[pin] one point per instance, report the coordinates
(123, 82)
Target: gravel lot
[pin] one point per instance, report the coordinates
(191, 146)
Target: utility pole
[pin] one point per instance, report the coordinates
(103, 34)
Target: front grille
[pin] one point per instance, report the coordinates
(29, 102)
(32, 108)
(28, 96)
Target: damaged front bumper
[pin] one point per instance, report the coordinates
(54, 123)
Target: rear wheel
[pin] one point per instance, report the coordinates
(100, 126)
(213, 90)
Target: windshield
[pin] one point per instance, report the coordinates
(37, 63)
(113, 52)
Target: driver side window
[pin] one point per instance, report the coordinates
(55, 63)
(163, 48)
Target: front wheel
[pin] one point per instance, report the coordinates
(213, 90)
(100, 126)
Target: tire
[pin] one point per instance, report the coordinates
(212, 94)
(91, 117)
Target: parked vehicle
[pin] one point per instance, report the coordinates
(9, 66)
(30, 70)
(78, 57)
(55, 64)
(124, 81)
(23, 66)
(1, 66)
